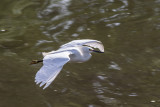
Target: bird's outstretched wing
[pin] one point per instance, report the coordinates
(88, 42)
(52, 65)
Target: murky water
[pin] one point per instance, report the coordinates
(126, 75)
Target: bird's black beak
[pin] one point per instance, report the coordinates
(97, 51)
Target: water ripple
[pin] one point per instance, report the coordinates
(66, 15)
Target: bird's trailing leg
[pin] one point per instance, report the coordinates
(36, 61)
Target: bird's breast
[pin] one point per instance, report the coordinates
(79, 57)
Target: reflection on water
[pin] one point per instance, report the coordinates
(126, 75)
(54, 14)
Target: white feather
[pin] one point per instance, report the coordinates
(52, 65)
(88, 42)
(53, 61)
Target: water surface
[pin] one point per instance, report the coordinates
(126, 75)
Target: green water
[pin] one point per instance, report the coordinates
(126, 75)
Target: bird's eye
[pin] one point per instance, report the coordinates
(90, 49)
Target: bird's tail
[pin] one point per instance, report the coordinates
(35, 61)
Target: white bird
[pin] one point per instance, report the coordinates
(75, 51)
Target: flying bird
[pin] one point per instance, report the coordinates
(76, 51)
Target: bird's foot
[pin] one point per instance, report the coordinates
(35, 61)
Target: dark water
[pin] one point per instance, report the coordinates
(126, 75)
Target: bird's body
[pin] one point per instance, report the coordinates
(78, 55)
(76, 51)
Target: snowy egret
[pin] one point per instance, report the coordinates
(75, 51)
